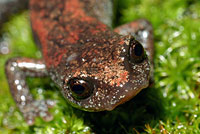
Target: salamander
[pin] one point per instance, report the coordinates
(95, 67)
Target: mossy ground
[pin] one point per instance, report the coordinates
(172, 105)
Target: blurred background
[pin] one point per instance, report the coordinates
(171, 105)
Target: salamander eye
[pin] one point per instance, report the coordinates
(81, 89)
(136, 51)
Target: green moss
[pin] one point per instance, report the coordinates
(177, 60)
(18, 34)
(172, 105)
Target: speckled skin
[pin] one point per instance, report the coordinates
(143, 32)
(76, 43)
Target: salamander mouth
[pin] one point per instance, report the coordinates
(139, 78)
(127, 96)
(114, 83)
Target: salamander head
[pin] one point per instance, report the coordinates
(102, 75)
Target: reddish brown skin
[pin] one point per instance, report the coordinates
(64, 28)
(139, 29)
(75, 43)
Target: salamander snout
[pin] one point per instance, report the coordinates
(120, 70)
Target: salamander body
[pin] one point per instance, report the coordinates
(95, 67)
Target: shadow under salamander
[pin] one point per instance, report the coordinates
(145, 108)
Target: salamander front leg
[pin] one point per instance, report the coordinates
(17, 69)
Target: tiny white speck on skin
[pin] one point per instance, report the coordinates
(122, 96)
(14, 64)
(97, 93)
(83, 75)
(145, 34)
(23, 98)
(12, 68)
(113, 102)
(127, 41)
(92, 106)
(19, 87)
(121, 85)
(16, 82)
(147, 69)
(83, 59)
(91, 102)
